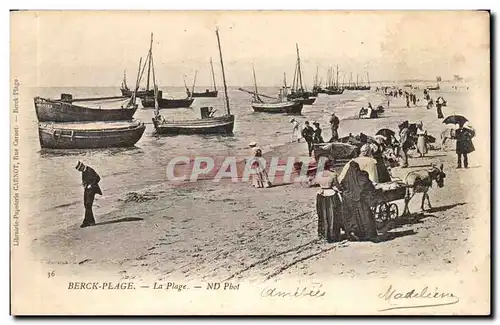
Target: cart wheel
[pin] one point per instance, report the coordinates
(384, 212)
(393, 211)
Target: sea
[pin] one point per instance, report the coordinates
(50, 190)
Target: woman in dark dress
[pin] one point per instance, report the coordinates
(358, 195)
(378, 155)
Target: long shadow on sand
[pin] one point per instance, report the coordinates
(444, 207)
(128, 219)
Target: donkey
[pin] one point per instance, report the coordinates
(445, 135)
(419, 181)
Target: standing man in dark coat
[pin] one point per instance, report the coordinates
(90, 183)
(404, 142)
(465, 146)
(334, 124)
(308, 134)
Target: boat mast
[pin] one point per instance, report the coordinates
(337, 82)
(138, 80)
(284, 83)
(223, 74)
(299, 71)
(316, 78)
(328, 78)
(255, 81)
(294, 82)
(134, 94)
(125, 78)
(368, 78)
(194, 81)
(150, 59)
(157, 106)
(213, 74)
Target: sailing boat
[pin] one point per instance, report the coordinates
(438, 79)
(148, 101)
(297, 91)
(207, 93)
(334, 88)
(365, 87)
(207, 124)
(279, 105)
(126, 91)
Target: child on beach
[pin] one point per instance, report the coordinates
(295, 130)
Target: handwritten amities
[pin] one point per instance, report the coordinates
(417, 298)
(314, 291)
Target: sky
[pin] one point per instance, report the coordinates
(93, 48)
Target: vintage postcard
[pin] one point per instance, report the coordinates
(250, 162)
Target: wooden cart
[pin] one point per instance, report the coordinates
(386, 209)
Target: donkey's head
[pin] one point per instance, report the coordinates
(436, 173)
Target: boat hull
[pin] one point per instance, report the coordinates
(307, 101)
(206, 94)
(149, 102)
(57, 136)
(59, 111)
(140, 93)
(214, 125)
(334, 91)
(294, 107)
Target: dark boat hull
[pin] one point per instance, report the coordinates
(294, 107)
(334, 91)
(140, 93)
(307, 101)
(214, 125)
(149, 102)
(60, 111)
(52, 136)
(206, 94)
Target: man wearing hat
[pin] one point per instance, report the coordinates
(464, 146)
(308, 134)
(334, 124)
(90, 183)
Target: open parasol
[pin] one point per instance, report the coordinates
(455, 119)
(388, 133)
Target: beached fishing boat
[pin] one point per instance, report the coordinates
(279, 105)
(288, 107)
(207, 124)
(297, 91)
(333, 87)
(90, 135)
(337, 91)
(148, 100)
(64, 109)
(207, 93)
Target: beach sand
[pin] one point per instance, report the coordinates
(213, 231)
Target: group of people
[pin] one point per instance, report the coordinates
(356, 185)
(310, 134)
(410, 98)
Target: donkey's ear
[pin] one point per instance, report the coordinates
(441, 167)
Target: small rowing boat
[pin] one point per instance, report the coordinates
(90, 135)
